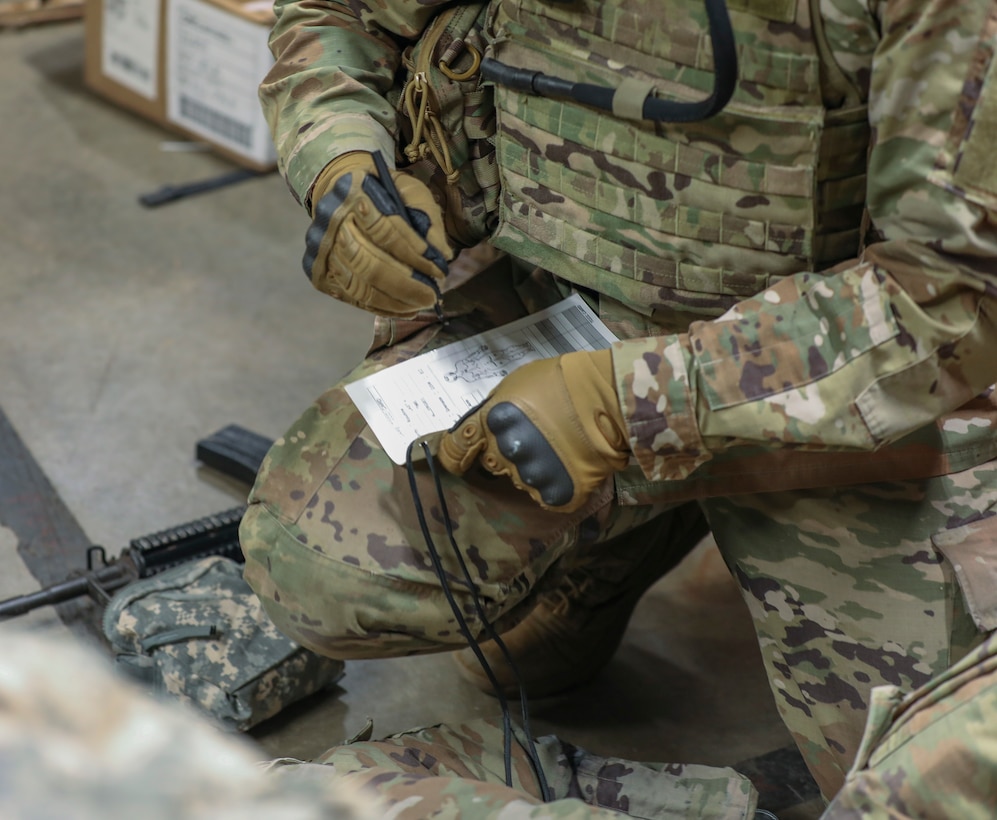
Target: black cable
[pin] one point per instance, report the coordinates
(653, 108)
(461, 623)
(465, 629)
(489, 629)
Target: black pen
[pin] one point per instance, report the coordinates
(384, 173)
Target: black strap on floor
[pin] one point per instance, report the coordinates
(49, 539)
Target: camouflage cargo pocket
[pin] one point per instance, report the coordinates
(198, 633)
(929, 753)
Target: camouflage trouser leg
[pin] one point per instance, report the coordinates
(861, 587)
(458, 771)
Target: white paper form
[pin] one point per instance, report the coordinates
(432, 391)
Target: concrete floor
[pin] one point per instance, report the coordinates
(127, 333)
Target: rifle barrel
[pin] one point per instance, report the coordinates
(107, 578)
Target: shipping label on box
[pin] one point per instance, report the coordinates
(130, 45)
(214, 63)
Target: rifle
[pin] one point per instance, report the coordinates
(232, 450)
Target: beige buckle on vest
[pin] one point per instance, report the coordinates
(628, 99)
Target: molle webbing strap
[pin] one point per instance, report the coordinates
(783, 11)
(699, 216)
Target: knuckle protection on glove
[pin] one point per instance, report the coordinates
(426, 214)
(389, 232)
(313, 244)
(333, 200)
(527, 449)
(325, 224)
(437, 258)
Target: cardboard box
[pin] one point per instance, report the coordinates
(191, 65)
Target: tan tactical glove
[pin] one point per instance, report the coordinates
(553, 426)
(362, 250)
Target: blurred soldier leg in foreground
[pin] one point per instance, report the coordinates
(77, 741)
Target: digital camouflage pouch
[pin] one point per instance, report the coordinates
(198, 632)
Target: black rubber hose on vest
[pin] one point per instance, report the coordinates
(597, 96)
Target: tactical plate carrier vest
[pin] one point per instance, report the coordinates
(675, 218)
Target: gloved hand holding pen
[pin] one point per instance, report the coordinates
(377, 239)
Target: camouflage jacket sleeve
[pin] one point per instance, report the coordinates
(858, 356)
(327, 92)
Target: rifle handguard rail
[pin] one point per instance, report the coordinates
(216, 534)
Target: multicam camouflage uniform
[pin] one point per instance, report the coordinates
(802, 286)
